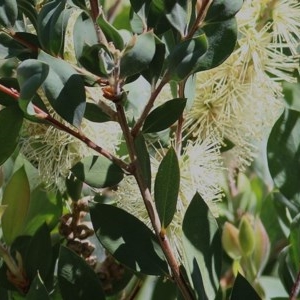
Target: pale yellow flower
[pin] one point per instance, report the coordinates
(54, 152)
(201, 171)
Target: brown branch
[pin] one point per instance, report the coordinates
(135, 130)
(202, 6)
(150, 206)
(296, 288)
(77, 134)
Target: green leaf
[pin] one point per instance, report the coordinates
(16, 196)
(164, 289)
(242, 289)
(11, 120)
(186, 56)
(164, 115)
(283, 155)
(294, 240)
(138, 56)
(74, 187)
(286, 271)
(111, 33)
(9, 47)
(177, 14)
(44, 207)
(128, 239)
(29, 10)
(221, 39)
(202, 249)
(8, 13)
(64, 89)
(8, 100)
(143, 158)
(97, 59)
(34, 262)
(166, 187)
(95, 114)
(30, 74)
(77, 281)
(141, 8)
(51, 25)
(98, 172)
(37, 290)
(83, 33)
(152, 74)
(291, 93)
(221, 10)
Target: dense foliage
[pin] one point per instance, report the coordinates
(149, 149)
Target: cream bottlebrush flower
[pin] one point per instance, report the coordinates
(241, 99)
(200, 171)
(286, 23)
(54, 152)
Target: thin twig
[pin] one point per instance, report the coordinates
(150, 206)
(77, 134)
(296, 288)
(203, 6)
(135, 130)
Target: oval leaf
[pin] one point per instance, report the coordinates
(76, 279)
(202, 249)
(138, 57)
(221, 39)
(34, 262)
(242, 289)
(98, 172)
(283, 155)
(166, 187)
(143, 158)
(30, 74)
(221, 10)
(64, 89)
(111, 33)
(11, 120)
(185, 57)
(95, 114)
(8, 13)
(16, 196)
(37, 290)
(51, 25)
(164, 115)
(128, 239)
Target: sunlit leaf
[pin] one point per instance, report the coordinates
(202, 249)
(128, 239)
(98, 172)
(64, 89)
(11, 120)
(16, 196)
(166, 187)
(76, 279)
